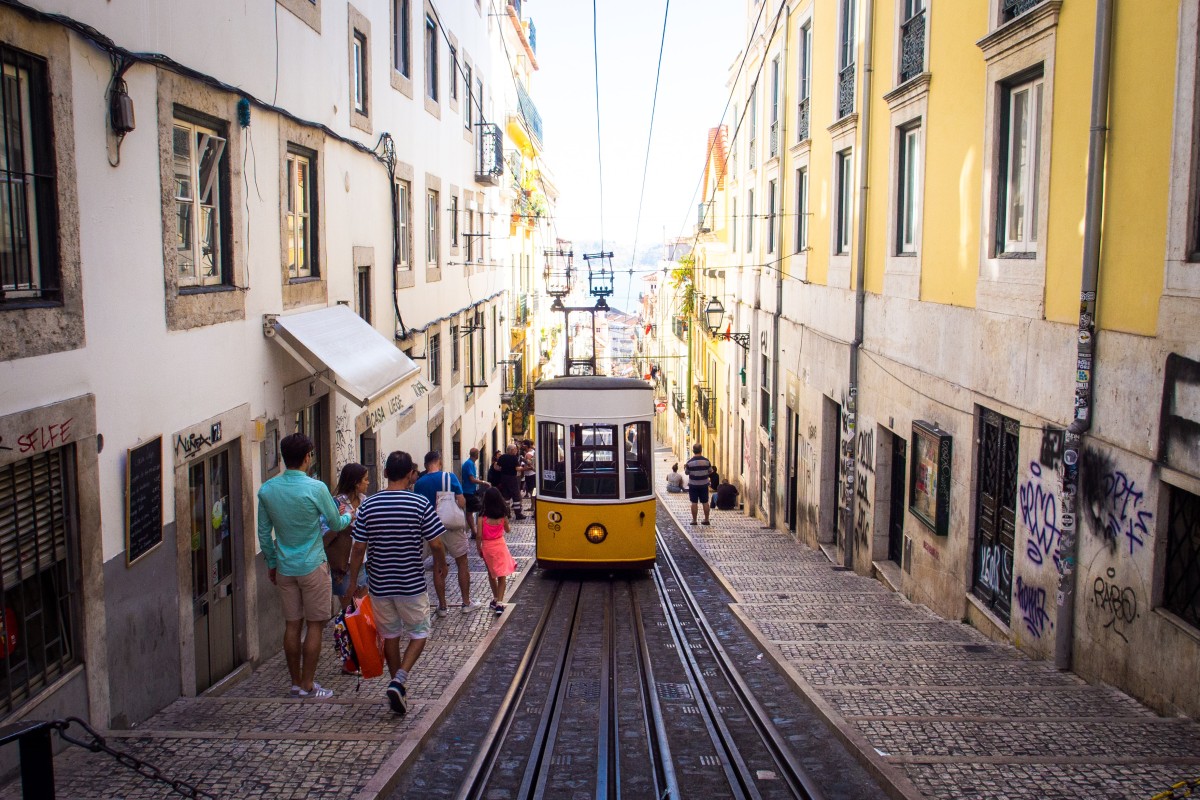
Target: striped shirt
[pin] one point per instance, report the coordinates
(697, 468)
(394, 525)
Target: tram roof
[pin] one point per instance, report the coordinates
(592, 383)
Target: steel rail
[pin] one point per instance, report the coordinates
(797, 779)
(477, 775)
(608, 748)
(665, 784)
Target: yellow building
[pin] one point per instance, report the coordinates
(962, 253)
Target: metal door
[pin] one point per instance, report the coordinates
(215, 533)
(896, 506)
(996, 514)
(793, 471)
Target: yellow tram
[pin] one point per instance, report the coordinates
(595, 481)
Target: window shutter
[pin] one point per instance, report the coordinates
(33, 516)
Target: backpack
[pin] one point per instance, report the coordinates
(342, 644)
(447, 507)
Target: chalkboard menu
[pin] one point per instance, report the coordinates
(143, 499)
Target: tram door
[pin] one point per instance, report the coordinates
(215, 532)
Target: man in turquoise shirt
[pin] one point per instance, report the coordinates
(293, 504)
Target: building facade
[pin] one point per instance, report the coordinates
(303, 220)
(955, 301)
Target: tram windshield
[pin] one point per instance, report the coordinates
(639, 469)
(594, 462)
(552, 454)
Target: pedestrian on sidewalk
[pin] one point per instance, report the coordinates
(510, 482)
(493, 548)
(351, 490)
(493, 474)
(472, 489)
(454, 539)
(674, 480)
(292, 505)
(698, 469)
(529, 461)
(391, 528)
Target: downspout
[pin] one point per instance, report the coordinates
(780, 142)
(860, 270)
(1085, 354)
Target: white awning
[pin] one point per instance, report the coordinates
(342, 349)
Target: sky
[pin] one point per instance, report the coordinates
(702, 39)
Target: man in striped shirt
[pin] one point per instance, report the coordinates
(393, 525)
(698, 468)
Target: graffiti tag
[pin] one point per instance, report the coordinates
(1119, 603)
(1032, 601)
(1039, 512)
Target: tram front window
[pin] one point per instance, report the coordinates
(594, 462)
(638, 466)
(552, 453)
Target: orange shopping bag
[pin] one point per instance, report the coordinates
(368, 647)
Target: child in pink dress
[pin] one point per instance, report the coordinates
(493, 524)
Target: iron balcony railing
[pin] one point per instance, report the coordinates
(1011, 9)
(846, 91)
(750, 155)
(512, 377)
(912, 47)
(704, 217)
(706, 405)
(533, 120)
(802, 117)
(679, 327)
(774, 140)
(489, 167)
(679, 402)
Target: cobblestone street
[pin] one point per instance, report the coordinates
(254, 741)
(938, 709)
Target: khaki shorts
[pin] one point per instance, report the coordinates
(455, 543)
(396, 616)
(306, 597)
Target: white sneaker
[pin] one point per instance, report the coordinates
(474, 605)
(441, 612)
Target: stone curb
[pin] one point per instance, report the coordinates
(891, 778)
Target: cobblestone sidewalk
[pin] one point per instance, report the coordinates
(254, 742)
(939, 710)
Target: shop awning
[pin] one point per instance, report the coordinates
(342, 349)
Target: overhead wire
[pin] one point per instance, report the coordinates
(599, 142)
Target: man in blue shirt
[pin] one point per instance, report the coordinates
(292, 504)
(472, 489)
(455, 537)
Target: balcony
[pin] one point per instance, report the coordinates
(489, 166)
(846, 91)
(679, 327)
(802, 121)
(679, 402)
(512, 379)
(912, 47)
(1011, 9)
(706, 405)
(774, 139)
(704, 217)
(751, 157)
(529, 112)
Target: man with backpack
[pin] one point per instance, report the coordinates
(443, 490)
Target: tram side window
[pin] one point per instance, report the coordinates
(638, 466)
(594, 462)
(552, 453)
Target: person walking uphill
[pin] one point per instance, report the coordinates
(472, 489)
(510, 480)
(454, 538)
(391, 528)
(292, 504)
(698, 469)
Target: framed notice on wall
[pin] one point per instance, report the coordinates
(929, 476)
(143, 499)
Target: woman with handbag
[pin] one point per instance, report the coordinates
(351, 490)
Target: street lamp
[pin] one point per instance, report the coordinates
(714, 312)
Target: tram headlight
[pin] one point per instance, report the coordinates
(596, 533)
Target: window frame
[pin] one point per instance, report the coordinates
(404, 260)
(749, 220)
(801, 209)
(772, 188)
(643, 463)
(360, 77)
(552, 438)
(469, 111)
(295, 272)
(908, 189)
(195, 125)
(431, 59)
(433, 353)
(455, 361)
(433, 250)
(453, 220)
(1030, 171)
(843, 201)
(402, 38)
(579, 450)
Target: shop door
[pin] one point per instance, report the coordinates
(216, 532)
(896, 505)
(793, 469)
(996, 517)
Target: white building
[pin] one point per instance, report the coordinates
(304, 173)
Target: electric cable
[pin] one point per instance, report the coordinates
(599, 142)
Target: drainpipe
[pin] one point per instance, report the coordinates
(860, 267)
(780, 143)
(1085, 355)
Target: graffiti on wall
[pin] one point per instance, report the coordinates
(865, 452)
(1032, 602)
(343, 439)
(1119, 512)
(995, 568)
(1117, 603)
(1039, 513)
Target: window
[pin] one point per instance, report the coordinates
(801, 210)
(594, 462)
(454, 221)
(311, 422)
(805, 83)
(402, 37)
(771, 216)
(752, 113)
(403, 225)
(431, 59)
(774, 143)
(454, 365)
(38, 584)
(431, 234)
(1020, 154)
(201, 203)
(479, 96)
(907, 200)
(28, 223)
(435, 359)
(470, 237)
(734, 226)
(363, 295)
(552, 460)
(1181, 592)
(750, 220)
(1011, 9)
(844, 207)
(764, 389)
(639, 465)
(453, 82)
(468, 112)
(360, 72)
(912, 40)
(298, 211)
(846, 46)
(479, 235)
